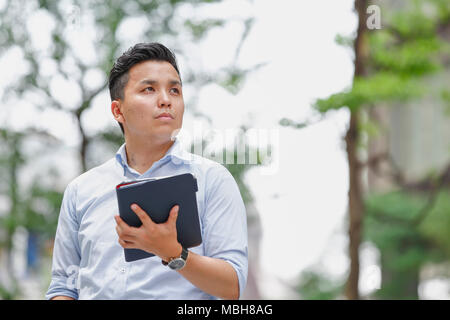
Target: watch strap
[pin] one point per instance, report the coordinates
(183, 255)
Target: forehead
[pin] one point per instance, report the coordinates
(161, 71)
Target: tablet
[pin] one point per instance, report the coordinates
(156, 196)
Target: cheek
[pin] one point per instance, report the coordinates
(133, 114)
(181, 109)
(139, 111)
(180, 117)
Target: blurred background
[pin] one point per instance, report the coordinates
(357, 203)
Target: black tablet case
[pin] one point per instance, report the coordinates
(157, 196)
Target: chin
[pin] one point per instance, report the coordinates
(162, 136)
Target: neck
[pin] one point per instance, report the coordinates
(142, 154)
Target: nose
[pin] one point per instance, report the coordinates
(164, 100)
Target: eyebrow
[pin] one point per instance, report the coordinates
(150, 81)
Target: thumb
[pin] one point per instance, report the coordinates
(174, 214)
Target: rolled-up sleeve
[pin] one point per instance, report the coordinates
(66, 252)
(225, 223)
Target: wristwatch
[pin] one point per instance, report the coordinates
(177, 263)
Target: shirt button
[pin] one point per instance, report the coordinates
(122, 270)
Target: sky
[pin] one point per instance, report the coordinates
(302, 203)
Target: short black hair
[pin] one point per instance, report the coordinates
(118, 76)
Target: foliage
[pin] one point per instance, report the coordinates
(436, 225)
(41, 210)
(408, 48)
(198, 29)
(408, 231)
(390, 220)
(411, 47)
(316, 286)
(405, 245)
(381, 87)
(238, 170)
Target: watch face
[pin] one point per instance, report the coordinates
(177, 264)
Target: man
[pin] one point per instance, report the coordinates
(88, 260)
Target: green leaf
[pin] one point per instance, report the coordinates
(412, 23)
(436, 224)
(345, 41)
(414, 57)
(382, 87)
(316, 286)
(200, 28)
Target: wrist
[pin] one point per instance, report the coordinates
(179, 262)
(172, 253)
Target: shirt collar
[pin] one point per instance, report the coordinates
(175, 151)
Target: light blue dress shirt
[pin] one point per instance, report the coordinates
(89, 263)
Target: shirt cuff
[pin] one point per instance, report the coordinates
(242, 279)
(58, 288)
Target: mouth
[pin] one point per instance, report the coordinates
(165, 116)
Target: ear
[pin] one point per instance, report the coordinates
(117, 111)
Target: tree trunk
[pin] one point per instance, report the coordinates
(355, 189)
(355, 208)
(84, 140)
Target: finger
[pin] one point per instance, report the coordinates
(124, 227)
(125, 231)
(143, 216)
(127, 244)
(125, 236)
(173, 215)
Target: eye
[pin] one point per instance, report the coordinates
(175, 90)
(149, 89)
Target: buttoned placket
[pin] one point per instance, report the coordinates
(121, 280)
